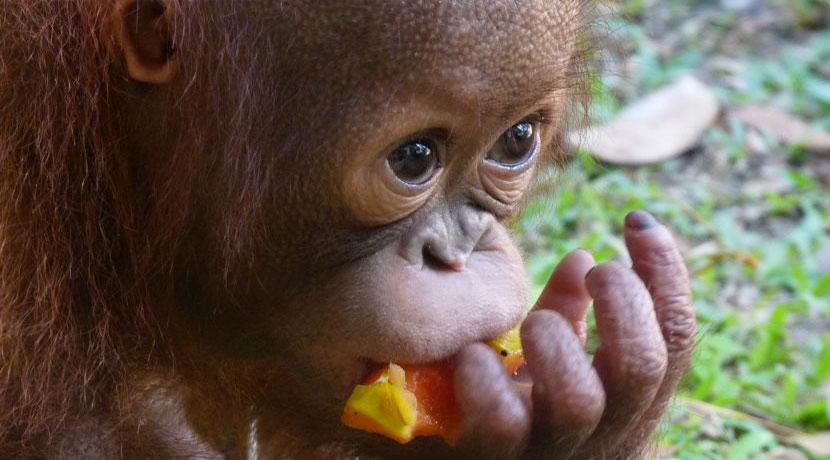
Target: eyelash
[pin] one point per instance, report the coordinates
(540, 117)
(447, 140)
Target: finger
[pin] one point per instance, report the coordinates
(568, 398)
(658, 262)
(631, 358)
(565, 292)
(496, 424)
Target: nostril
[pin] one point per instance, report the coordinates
(442, 260)
(446, 239)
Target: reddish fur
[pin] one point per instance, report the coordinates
(86, 263)
(73, 292)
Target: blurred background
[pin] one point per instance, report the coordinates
(719, 111)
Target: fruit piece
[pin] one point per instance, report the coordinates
(438, 413)
(509, 348)
(411, 400)
(383, 406)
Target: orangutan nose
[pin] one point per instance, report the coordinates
(445, 240)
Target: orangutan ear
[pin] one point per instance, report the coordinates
(145, 38)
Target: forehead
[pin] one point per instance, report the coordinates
(484, 47)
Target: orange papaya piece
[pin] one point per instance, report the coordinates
(405, 401)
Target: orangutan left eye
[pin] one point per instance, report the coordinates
(516, 146)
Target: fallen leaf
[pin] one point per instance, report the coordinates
(660, 126)
(786, 453)
(784, 127)
(816, 443)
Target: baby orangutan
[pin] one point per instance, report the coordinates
(220, 216)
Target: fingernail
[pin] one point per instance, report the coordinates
(640, 220)
(589, 272)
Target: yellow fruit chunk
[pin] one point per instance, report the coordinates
(383, 406)
(404, 402)
(509, 348)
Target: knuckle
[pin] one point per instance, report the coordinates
(677, 320)
(646, 367)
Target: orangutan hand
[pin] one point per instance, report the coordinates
(576, 407)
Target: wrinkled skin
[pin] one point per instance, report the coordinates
(257, 137)
(578, 407)
(573, 406)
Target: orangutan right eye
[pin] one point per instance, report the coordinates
(416, 162)
(516, 146)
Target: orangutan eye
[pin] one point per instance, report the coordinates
(416, 162)
(516, 146)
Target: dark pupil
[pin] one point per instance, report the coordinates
(413, 162)
(522, 131)
(518, 142)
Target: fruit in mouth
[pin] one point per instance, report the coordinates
(405, 401)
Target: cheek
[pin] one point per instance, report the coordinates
(384, 309)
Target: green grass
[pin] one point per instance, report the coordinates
(762, 302)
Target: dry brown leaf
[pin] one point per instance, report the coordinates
(663, 125)
(786, 453)
(784, 127)
(815, 443)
